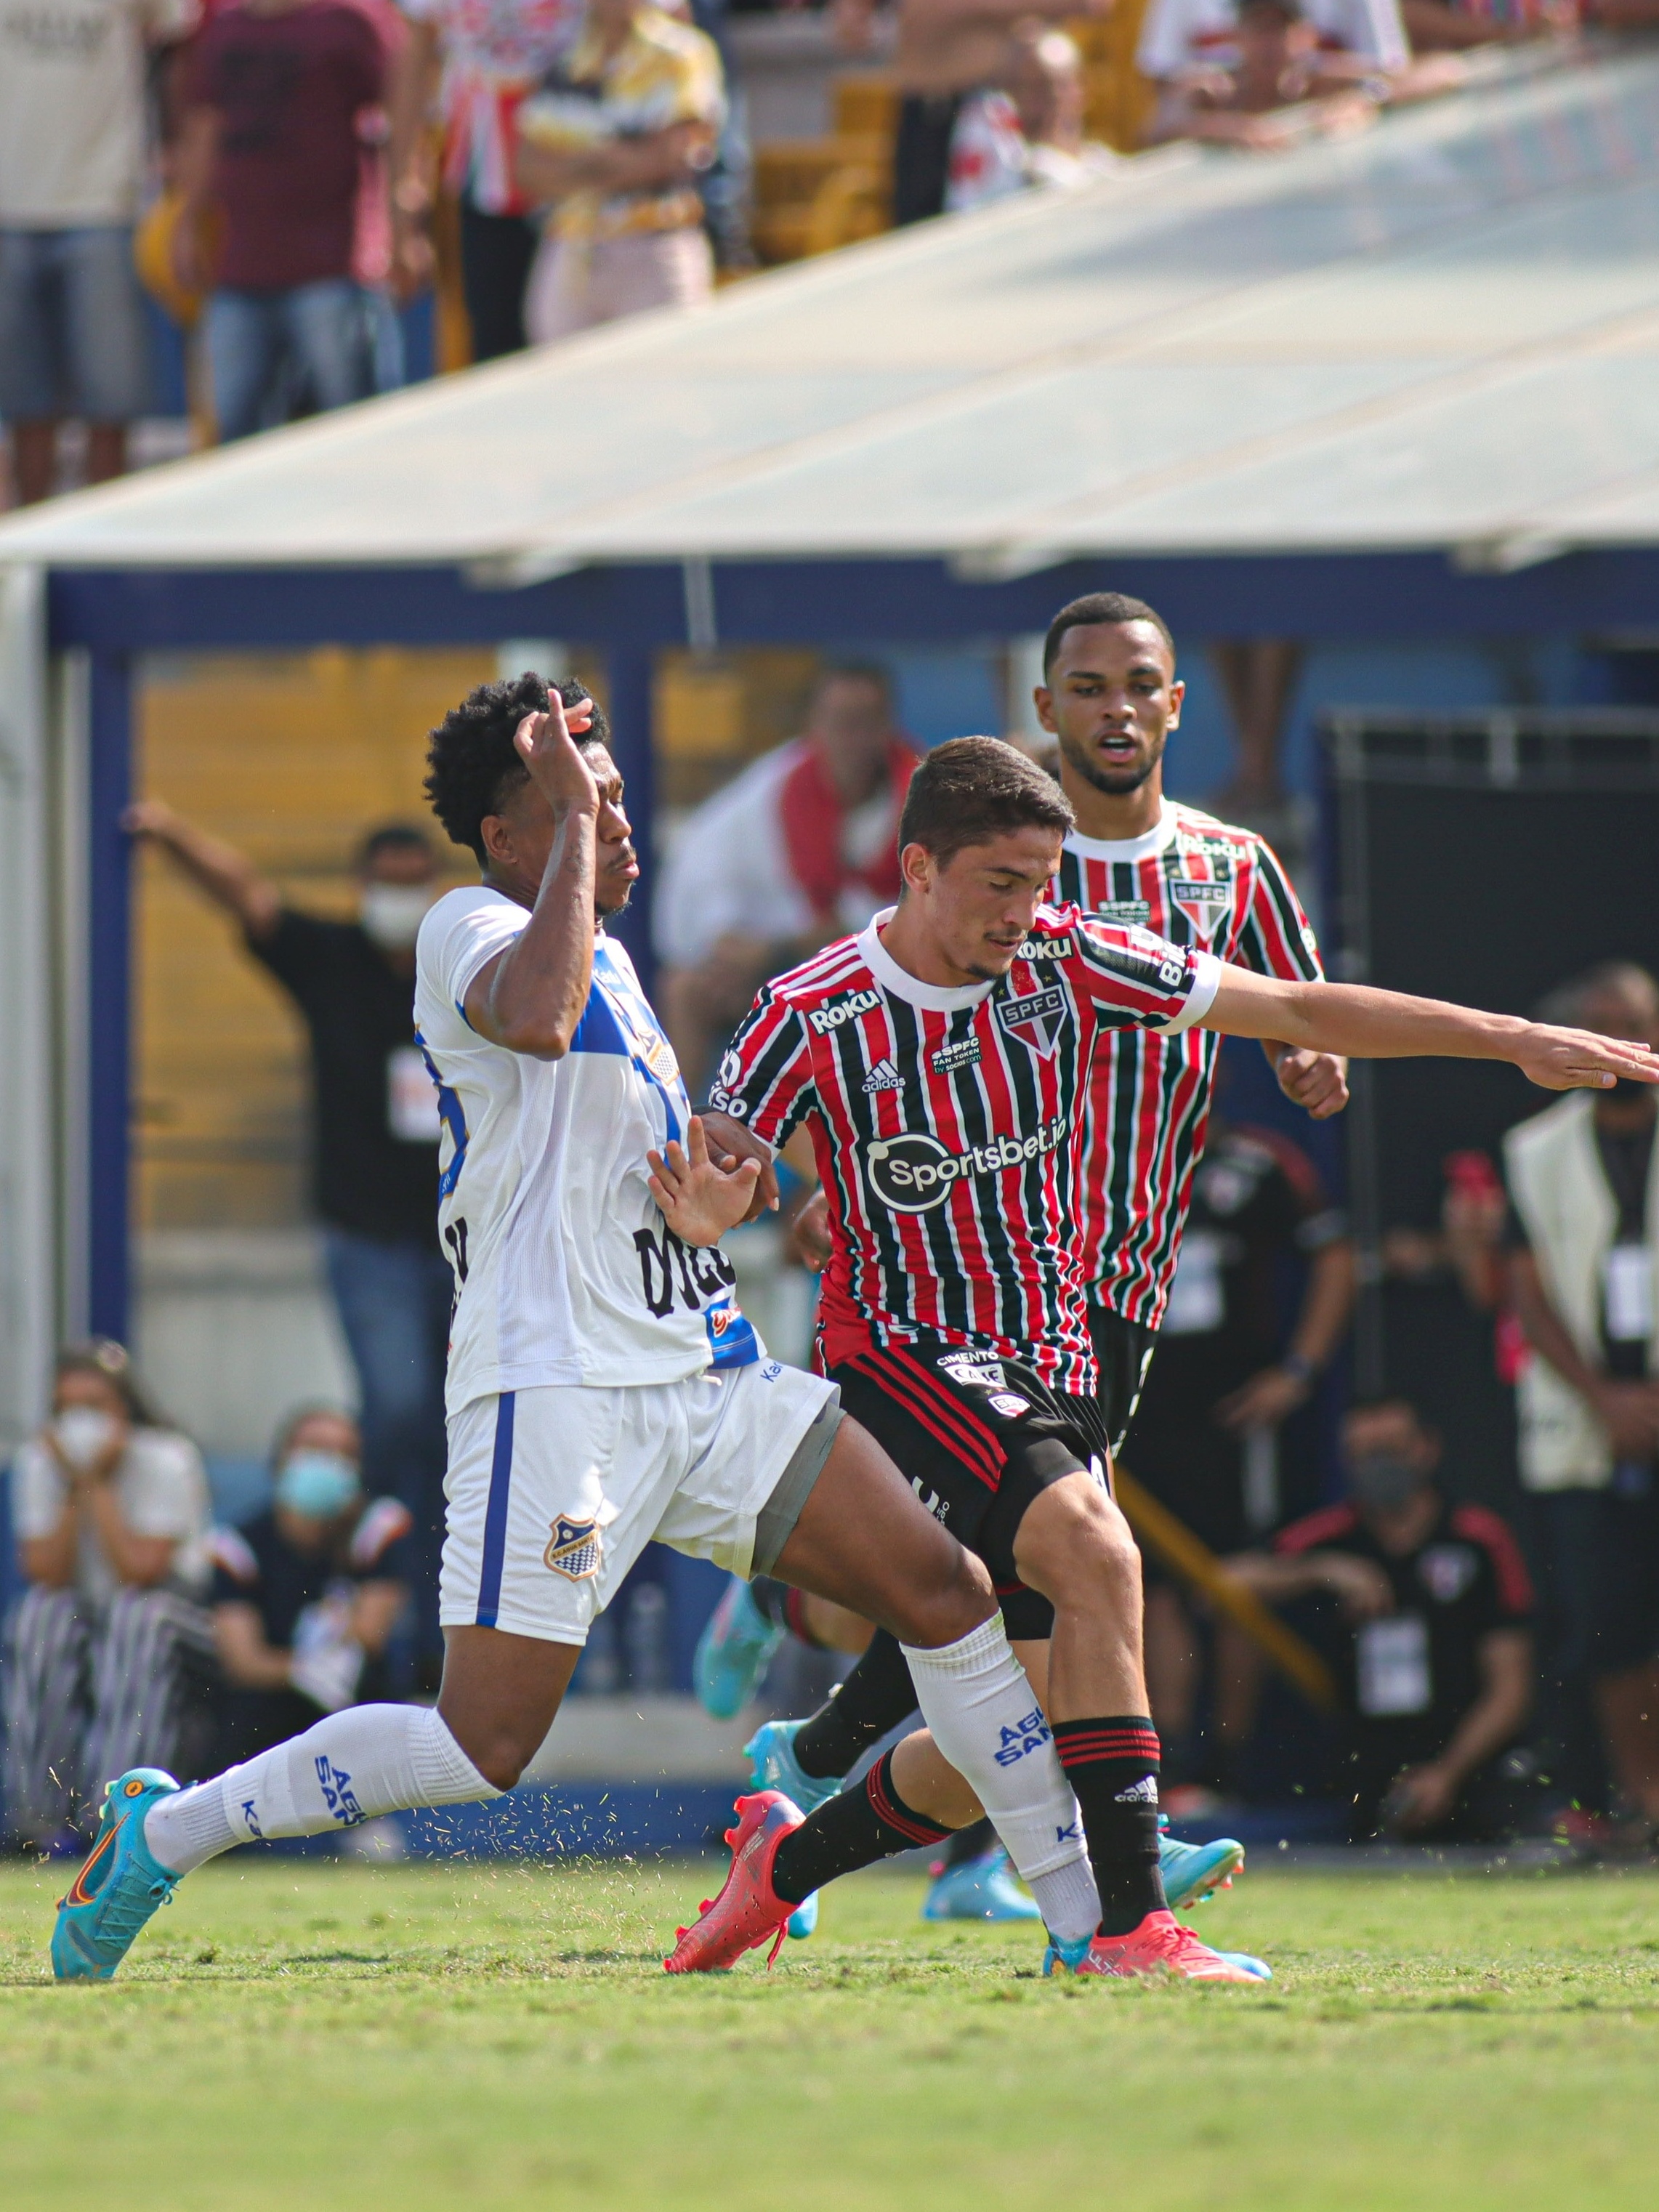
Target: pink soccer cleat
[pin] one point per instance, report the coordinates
(1160, 1946)
(748, 1910)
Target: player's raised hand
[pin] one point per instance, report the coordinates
(548, 745)
(1577, 1060)
(700, 1197)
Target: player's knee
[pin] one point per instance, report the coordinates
(1075, 1546)
(950, 1604)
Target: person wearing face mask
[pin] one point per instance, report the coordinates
(375, 1146)
(106, 1652)
(1583, 1233)
(1436, 1659)
(307, 1593)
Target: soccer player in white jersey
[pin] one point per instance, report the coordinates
(603, 1390)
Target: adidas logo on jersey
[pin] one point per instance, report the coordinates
(831, 1017)
(883, 1076)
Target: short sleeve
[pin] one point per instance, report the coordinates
(1510, 1600)
(301, 950)
(1165, 40)
(39, 1493)
(235, 1564)
(163, 1486)
(700, 96)
(1278, 939)
(1139, 981)
(1379, 32)
(380, 1545)
(765, 1080)
(464, 941)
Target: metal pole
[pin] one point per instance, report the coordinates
(1370, 1347)
(109, 995)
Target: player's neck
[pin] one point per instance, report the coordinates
(1114, 816)
(908, 943)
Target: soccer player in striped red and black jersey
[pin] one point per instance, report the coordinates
(1111, 696)
(948, 1159)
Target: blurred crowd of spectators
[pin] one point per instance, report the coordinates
(287, 175)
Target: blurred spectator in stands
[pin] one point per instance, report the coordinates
(797, 850)
(479, 58)
(306, 1595)
(1204, 1439)
(1184, 40)
(73, 340)
(1436, 1653)
(375, 1147)
(1276, 87)
(273, 104)
(107, 1651)
(1029, 131)
(948, 51)
(1453, 26)
(1584, 1227)
(727, 185)
(617, 140)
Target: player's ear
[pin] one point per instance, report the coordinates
(916, 869)
(1177, 693)
(1043, 699)
(499, 844)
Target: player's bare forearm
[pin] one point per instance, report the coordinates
(530, 998)
(731, 1141)
(1358, 1020)
(230, 878)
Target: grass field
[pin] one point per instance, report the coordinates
(293, 2034)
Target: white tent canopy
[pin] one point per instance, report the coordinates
(1441, 335)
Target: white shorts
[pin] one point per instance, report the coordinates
(554, 1493)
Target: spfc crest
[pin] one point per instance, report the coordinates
(1203, 903)
(572, 1549)
(1035, 1019)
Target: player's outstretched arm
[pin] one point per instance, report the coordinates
(1372, 1025)
(700, 1197)
(531, 997)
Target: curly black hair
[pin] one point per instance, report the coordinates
(471, 765)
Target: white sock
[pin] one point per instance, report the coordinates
(978, 1701)
(1069, 1899)
(352, 1767)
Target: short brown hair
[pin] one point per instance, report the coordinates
(970, 790)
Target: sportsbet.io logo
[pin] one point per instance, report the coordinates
(914, 1173)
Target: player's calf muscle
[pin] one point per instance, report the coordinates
(499, 1694)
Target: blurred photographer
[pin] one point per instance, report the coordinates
(306, 1595)
(1436, 1658)
(107, 1651)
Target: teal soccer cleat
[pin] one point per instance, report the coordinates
(773, 1766)
(732, 1653)
(770, 1753)
(979, 1889)
(120, 1886)
(1193, 1872)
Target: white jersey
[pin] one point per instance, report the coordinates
(566, 1271)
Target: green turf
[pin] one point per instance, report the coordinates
(290, 2034)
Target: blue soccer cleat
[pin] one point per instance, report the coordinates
(773, 1766)
(733, 1652)
(983, 1888)
(1193, 1872)
(804, 1920)
(770, 1752)
(119, 1888)
(1259, 1968)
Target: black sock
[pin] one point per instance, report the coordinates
(970, 1843)
(771, 1599)
(852, 1830)
(1112, 1764)
(875, 1696)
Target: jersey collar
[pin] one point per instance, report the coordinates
(1144, 848)
(930, 998)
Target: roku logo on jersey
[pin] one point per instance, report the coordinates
(825, 1018)
(913, 1172)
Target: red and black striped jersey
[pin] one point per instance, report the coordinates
(1199, 883)
(947, 1127)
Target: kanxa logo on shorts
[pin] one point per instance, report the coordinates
(572, 1549)
(913, 1173)
(1035, 1019)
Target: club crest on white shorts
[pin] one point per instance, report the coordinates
(572, 1549)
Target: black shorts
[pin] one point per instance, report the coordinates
(1123, 1351)
(978, 1439)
